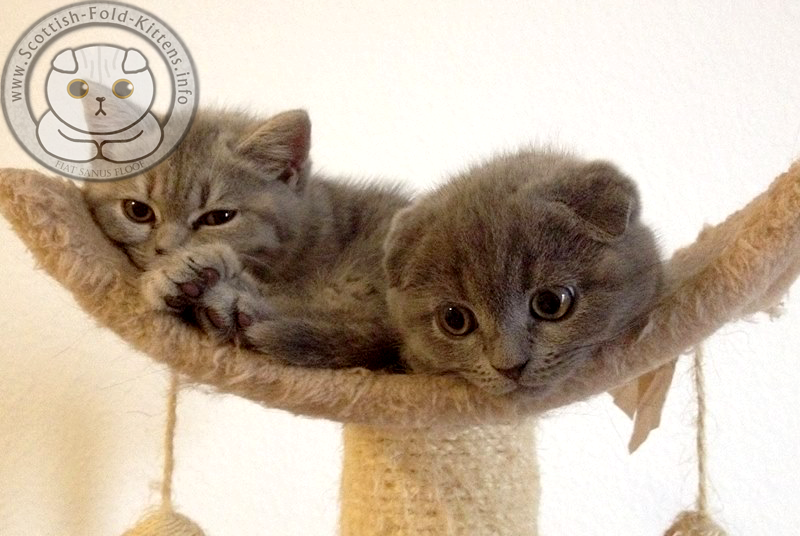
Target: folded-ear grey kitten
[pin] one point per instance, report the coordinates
(234, 233)
(517, 271)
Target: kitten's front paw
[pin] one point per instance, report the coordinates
(179, 280)
(227, 309)
(208, 283)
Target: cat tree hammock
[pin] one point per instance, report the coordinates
(423, 455)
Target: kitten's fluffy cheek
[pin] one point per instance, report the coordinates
(142, 256)
(252, 235)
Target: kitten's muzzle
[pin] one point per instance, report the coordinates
(511, 358)
(513, 373)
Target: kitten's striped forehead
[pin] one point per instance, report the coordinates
(181, 187)
(196, 175)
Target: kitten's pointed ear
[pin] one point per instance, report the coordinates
(134, 62)
(603, 197)
(280, 146)
(66, 62)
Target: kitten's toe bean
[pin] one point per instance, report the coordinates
(217, 319)
(216, 312)
(210, 276)
(162, 294)
(244, 320)
(176, 302)
(183, 278)
(191, 289)
(225, 311)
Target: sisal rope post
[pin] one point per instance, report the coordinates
(440, 481)
(698, 522)
(165, 521)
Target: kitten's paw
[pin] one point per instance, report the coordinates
(208, 283)
(228, 309)
(180, 281)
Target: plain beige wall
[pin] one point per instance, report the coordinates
(701, 104)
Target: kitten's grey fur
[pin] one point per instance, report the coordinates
(300, 258)
(297, 272)
(503, 232)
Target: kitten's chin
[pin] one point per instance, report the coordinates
(542, 380)
(491, 381)
(533, 381)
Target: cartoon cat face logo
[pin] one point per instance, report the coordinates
(99, 98)
(100, 89)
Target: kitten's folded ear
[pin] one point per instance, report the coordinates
(280, 146)
(601, 196)
(404, 232)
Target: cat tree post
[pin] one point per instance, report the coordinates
(440, 481)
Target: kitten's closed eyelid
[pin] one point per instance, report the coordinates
(213, 218)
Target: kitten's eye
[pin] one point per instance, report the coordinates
(216, 217)
(137, 211)
(77, 88)
(456, 320)
(552, 303)
(122, 88)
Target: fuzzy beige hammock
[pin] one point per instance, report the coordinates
(423, 455)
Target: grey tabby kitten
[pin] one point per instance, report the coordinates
(517, 271)
(234, 233)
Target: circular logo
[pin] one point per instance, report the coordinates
(99, 91)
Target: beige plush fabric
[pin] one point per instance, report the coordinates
(740, 266)
(415, 459)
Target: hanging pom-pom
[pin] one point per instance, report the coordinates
(698, 522)
(694, 523)
(165, 523)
